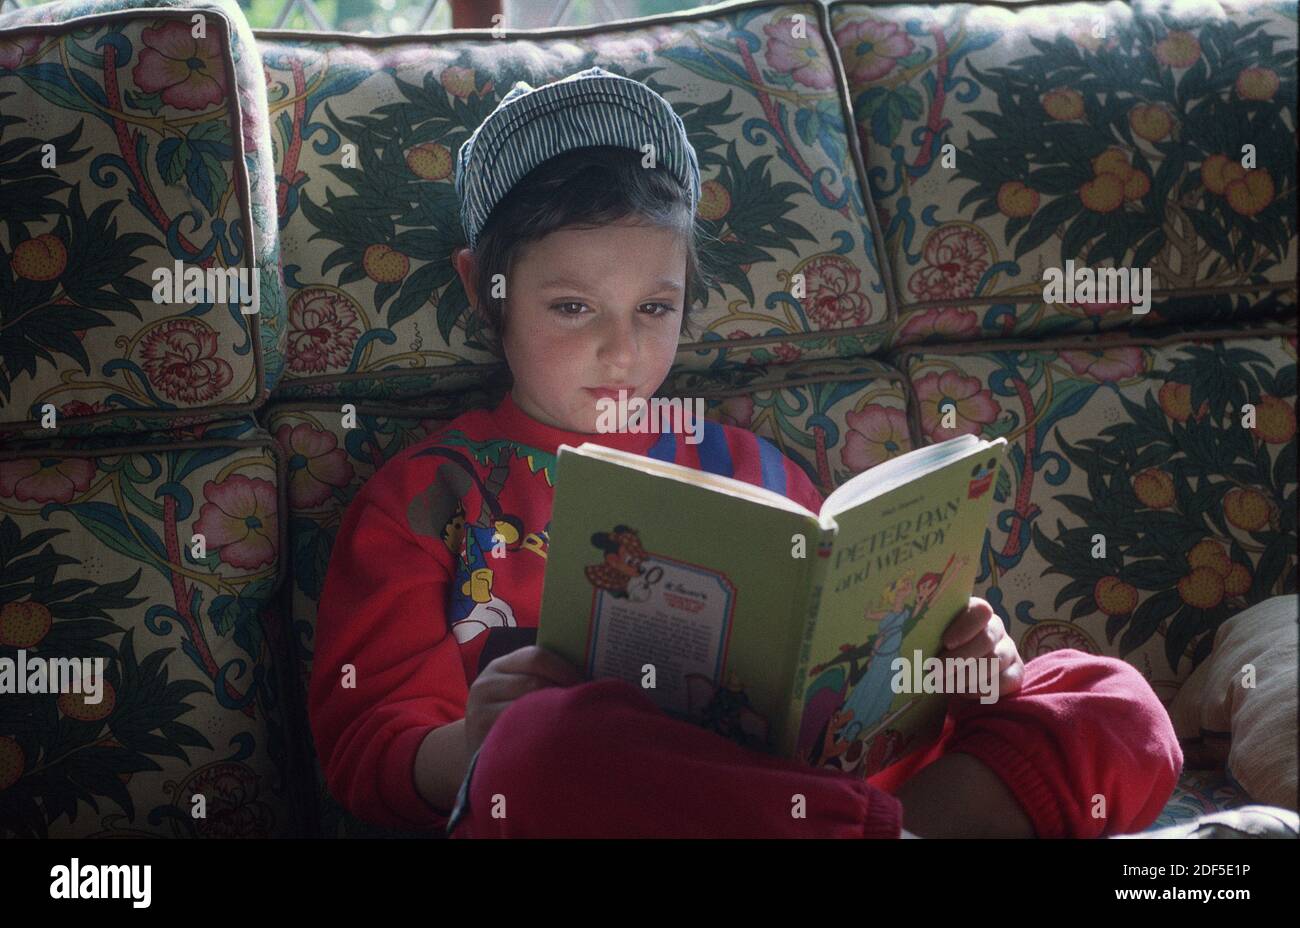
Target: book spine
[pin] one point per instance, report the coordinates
(808, 610)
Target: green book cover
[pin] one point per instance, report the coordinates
(738, 609)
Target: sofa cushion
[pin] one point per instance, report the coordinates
(366, 130)
(1239, 707)
(151, 166)
(1004, 141)
(100, 561)
(1139, 506)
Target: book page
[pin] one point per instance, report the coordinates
(672, 620)
(690, 475)
(898, 471)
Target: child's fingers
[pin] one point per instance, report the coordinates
(968, 626)
(495, 692)
(983, 643)
(548, 664)
(535, 661)
(1011, 670)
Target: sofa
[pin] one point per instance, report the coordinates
(173, 473)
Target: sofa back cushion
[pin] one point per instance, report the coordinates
(366, 132)
(1149, 492)
(133, 140)
(1001, 142)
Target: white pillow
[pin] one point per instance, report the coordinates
(1261, 720)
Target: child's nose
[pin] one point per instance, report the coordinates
(618, 342)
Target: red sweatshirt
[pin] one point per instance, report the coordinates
(413, 602)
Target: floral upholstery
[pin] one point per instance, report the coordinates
(160, 147)
(1142, 441)
(157, 160)
(375, 309)
(1108, 134)
(99, 561)
(198, 420)
(1198, 793)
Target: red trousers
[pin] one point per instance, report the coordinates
(1085, 746)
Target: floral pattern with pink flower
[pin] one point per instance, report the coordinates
(234, 811)
(323, 330)
(317, 465)
(13, 51)
(1108, 365)
(45, 480)
(876, 433)
(786, 353)
(190, 73)
(871, 49)
(239, 520)
(974, 406)
(956, 257)
(804, 59)
(81, 408)
(1102, 309)
(834, 297)
(951, 323)
(182, 360)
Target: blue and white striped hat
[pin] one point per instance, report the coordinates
(530, 126)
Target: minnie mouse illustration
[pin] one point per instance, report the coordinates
(622, 573)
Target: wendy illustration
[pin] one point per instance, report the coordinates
(852, 695)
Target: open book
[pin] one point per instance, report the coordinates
(738, 609)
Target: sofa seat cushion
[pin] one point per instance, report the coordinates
(1198, 793)
(103, 559)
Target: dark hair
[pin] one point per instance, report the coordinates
(583, 187)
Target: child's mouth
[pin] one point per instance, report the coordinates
(607, 393)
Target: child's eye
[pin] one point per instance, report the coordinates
(663, 309)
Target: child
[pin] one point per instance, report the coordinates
(425, 655)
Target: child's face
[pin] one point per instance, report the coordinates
(590, 308)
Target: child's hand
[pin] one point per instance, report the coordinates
(979, 632)
(506, 679)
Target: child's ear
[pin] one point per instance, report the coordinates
(462, 260)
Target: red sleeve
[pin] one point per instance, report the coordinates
(383, 610)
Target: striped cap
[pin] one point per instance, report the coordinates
(530, 126)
